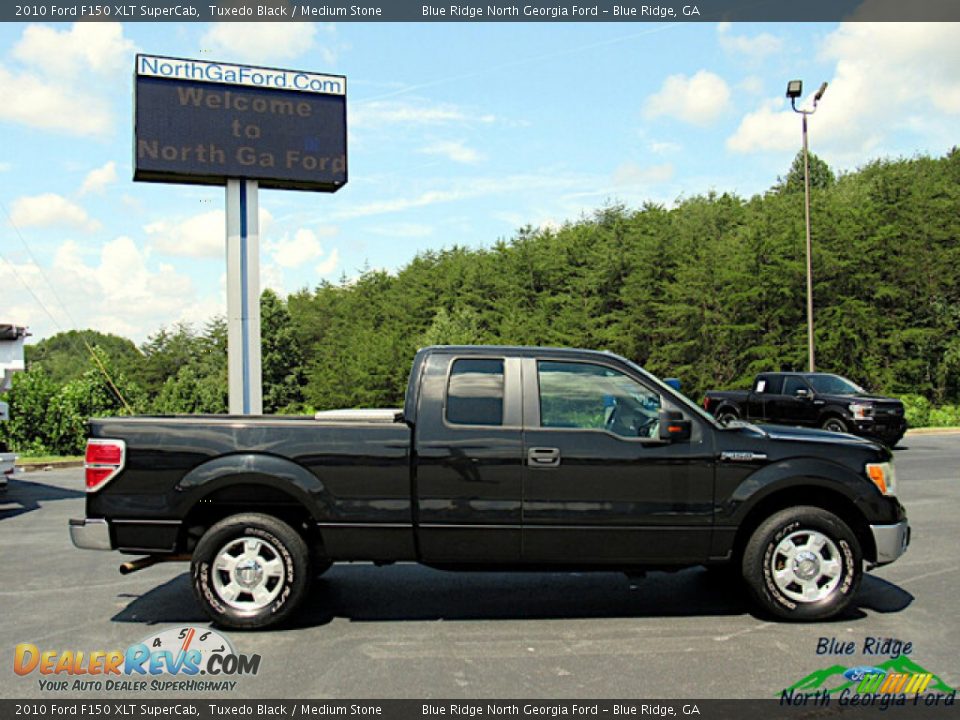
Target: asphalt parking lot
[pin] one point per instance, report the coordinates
(407, 631)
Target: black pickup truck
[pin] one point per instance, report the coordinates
(501, 458)
(819, 400)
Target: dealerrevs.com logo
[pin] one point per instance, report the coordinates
(179, 659)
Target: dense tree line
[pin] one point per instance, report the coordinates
(711, 291)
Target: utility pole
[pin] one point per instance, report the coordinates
(794, 90)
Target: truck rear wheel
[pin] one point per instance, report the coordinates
(803, 563)
(727, 416)
(250, 571)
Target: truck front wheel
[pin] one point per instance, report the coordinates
(803, 563)
(835, 424)
(250, 571)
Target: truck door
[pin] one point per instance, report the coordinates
(765, 389)
(468, 466)
(600, 486)
(795, 405)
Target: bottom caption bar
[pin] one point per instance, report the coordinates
(533, 709)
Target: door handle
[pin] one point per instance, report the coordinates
(543, 457)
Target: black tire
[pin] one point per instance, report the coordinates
(727, 415)
(279, 571)
(835, 424)
(762, 556)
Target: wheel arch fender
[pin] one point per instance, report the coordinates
(252, 470)
(799, 481)
(728, 406)
(834, 410)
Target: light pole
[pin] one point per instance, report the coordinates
(794, 90)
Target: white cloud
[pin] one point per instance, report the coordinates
(889, 78)
(97, 179)
(47, 87)
(404, 230)
(630, 173)
(51, 210)
(296, 250)
(390, 112)
(756, 47)
(329, 265)
(769, 127)
(115, 290)
(261, 42)
(52, 105)
(97, 46)
(751, 85)
(455, 150)
(466, 188)
(6, 167)
(698, 100)
(665, 147)
(271, 276)
(198, 236)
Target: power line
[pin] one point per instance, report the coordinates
(73, 323)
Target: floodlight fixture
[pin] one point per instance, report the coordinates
(794, 89)
(820, 92)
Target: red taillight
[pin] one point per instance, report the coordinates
(104, 460)
(105, 452)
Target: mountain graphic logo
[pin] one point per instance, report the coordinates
(900, 674)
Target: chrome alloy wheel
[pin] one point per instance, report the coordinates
(806, 566)
(248, 573)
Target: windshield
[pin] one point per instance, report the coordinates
(832, 385)
(673, 392)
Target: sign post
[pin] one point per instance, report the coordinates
(243, 299)
(210, 123)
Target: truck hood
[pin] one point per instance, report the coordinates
(860, 397)
(784, 433)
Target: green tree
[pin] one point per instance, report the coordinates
(821, 176)
(284, 375)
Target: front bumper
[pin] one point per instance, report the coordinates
(891, 541)
(90, 534)
(889, 433)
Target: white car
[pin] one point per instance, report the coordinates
(7, 462)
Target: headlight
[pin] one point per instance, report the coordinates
(860, 411)
(883, 476)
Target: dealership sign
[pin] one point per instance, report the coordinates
(204, 122)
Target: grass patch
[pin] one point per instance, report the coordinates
(47, 459)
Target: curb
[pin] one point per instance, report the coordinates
(934, 431)
(37, 467)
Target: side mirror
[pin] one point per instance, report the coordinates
(673, 426)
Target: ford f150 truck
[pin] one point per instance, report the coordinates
(819, 400)
(501, 458)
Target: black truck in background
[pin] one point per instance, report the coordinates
(501, 458)
(820, 400)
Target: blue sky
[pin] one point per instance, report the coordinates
(458, 134)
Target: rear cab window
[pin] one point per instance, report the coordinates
(769, 384)
(475, 392)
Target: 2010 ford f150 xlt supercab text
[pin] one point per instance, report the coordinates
(505, 458)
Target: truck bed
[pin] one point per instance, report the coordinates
(360, 468)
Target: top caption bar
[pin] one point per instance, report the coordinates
(540, 11)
